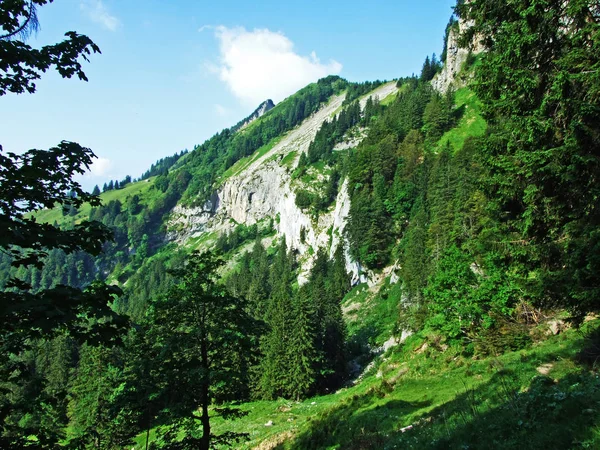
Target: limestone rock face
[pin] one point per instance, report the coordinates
(262, 109)
(264, 189)
(456, 57)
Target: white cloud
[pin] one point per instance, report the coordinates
(98, 13)
(262, 64)
(100, 167)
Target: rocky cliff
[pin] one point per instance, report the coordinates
(456, 57)
(262, 188)
(262, 109)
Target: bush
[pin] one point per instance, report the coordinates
(303, 199)
(590, 353)
(503, 336)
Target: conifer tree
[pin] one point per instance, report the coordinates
(259, 287)
(277, 345)
(303, 354)
(542, 156)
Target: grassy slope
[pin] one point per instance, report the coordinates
(470, 124)
(371, 319)
(451, 401)
(141, 188)
(243, 163)
(455, 402)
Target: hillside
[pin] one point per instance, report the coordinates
(402, 264)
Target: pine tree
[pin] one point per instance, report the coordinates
(276, 365)
(542, 156)
(328, 323)
(426, 70)
(96, 190)
(302, 161)
(302, 353)
(95, 380)
(259, 288)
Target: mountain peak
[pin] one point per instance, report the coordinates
(262, 109)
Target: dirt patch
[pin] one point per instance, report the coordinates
(274, 441)
(351, 308)
(545, 369)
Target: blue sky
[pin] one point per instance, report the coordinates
(172, 73)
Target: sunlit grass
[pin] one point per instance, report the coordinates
(471, 124)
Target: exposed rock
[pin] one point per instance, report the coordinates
(263, 108)
(556, 326)
(422, 348)
(350, 308)
(391, 342)
(455, 58)
(269, 423)
(380, 93)
(264, 190)
(476, 269)
(405, 335)
(399, 374)
(375, 280)
(590, 317)
(545, 369)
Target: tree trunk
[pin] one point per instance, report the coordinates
(205, 441)
(148, 424)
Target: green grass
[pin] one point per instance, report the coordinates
(371, 318)
(202, 242)
(450, 400)
(289, 159)
(389, 99)
(314, 172)
(140, 188)
(243, 163)
(470, 124)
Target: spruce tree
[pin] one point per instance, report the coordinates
(541, 155)
(302, 352)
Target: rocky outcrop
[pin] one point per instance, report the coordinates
(456, 57)
(262, 109)
(264, 190)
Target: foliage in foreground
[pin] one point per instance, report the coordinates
(541, 397)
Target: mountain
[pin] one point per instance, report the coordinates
(263, 108)
(414, 257)
(263, 186)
